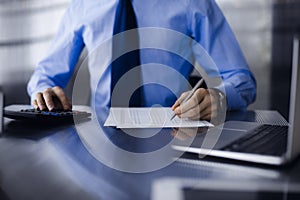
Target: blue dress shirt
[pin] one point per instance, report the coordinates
(88, 23)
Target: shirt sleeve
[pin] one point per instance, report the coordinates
(58, 66)
(210, 28)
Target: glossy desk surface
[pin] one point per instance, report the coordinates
(42, 161)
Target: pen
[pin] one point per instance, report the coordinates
(190, 94)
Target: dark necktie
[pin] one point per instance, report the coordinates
(125, 20)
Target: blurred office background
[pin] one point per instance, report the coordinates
(264, 29)
(26, 30)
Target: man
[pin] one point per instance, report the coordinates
(88, 23)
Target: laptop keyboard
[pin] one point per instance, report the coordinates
(265, 140)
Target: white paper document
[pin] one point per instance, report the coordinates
(153, 117)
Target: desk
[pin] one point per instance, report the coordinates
(40, 161)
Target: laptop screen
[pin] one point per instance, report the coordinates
(294, 116)
(1, 111)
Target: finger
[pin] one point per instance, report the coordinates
(60, 94)
(193, 113)
(179, 100)
(210, 111)
(206, 105)
(40, 101)
(48, 95)
(203, 108)
(207, 111)
(35, 104)
(207, 117)
(197, 98)
(189, 104)
(200, 115)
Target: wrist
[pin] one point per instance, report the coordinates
(221, 99)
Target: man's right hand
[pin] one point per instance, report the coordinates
(52, 99)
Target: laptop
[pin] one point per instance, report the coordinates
(256, 142)
(1, 110)
(176, 188)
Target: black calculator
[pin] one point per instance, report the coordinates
(26, 112)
